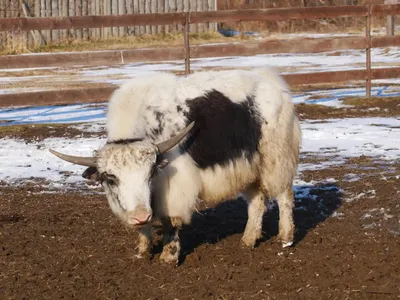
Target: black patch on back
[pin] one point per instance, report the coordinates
(223, 131)
(125, 141)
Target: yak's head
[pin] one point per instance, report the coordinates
(125, 169)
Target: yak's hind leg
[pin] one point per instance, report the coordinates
(171, 242)
(286, 226)
(256, 209)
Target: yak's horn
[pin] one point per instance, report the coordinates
(79, 160)
(168, 144)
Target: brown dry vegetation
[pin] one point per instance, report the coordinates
(17, 46)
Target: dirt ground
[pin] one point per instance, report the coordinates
(68, 245)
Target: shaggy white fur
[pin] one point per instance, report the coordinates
(154, 108)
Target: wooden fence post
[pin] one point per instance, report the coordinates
(368, 51)
(390, 19)
(186, 43)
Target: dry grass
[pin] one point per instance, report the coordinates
(13, 43)
(143, 41)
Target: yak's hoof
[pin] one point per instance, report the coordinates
(249, 241)
(287, 244)
(169, 258)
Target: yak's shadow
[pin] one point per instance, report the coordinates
(314, 204)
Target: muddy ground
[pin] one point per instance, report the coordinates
(68, 245)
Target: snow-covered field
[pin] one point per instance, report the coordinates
(335, 139)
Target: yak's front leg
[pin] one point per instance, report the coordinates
(144, 241)
(171, 242)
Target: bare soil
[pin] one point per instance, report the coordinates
(69, 245)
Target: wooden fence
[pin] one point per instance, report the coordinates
(70, 8)
(187, 52)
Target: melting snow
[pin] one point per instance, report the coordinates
(376, 137)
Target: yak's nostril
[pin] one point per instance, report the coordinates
(140, 216)
(141, 220)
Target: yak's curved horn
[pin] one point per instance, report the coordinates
(168, 144)
(79, 160)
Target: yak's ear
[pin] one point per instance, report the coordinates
(91, 173)
(161, 161)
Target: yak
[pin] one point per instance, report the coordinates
(212, 136)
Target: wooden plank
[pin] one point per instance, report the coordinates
(97, 33)
(71, 13)
(385, 10)
(390, 21)
(160, 9)
(47, 13)
(199, 7)
(147, 10)
(85, 12)
(278, 14)
(54, 13)
(183, 5)
(59, 59)
(36, 13)
(106, 12)
(129, 10)
(122, 11)
(64, 13)
(386, 41)
(277, 46)
(153, 9)
(368, 83)
(385, 73)
(98, 94)
(90, 58)
(179, 6)
(142, 4)
(212, 7)
(324, 77)
(76, 22)
(340, 76)
(155, 54)
(114, 12)
(91, 12)
(78, 12)
(3, 35)
(135, 12)
(27, 14)
(192, 8)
